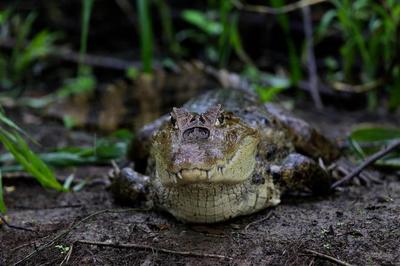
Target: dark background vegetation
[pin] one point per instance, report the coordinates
(355, 43)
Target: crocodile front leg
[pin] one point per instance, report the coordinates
(300, 173)
(130, 186)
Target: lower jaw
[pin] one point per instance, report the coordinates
(199, 203)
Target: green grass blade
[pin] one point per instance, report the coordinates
(113, 147)
(370, 134)
(294, 60)
(16, 145)
(11, 124)
(236, 41)
(21, 38)
(201, 21)
(2, 204)
(391, 162)
(86, 12)
(168, 29)
(146, 35)
(268, 94)
(366, 141)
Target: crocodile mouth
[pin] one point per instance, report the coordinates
(195, 175)
(234, 170)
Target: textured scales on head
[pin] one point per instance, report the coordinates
(195, 126)
(183, 119)
(212, 147)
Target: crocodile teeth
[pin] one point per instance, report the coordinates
(211, 173)
(179, 175)
(208, 174)
(220, 169)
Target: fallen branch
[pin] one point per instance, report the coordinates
(148, 247)
(65, 232)
(327, 257)
(277, 10)
(370, 160)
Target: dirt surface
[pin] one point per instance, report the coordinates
(356, 225)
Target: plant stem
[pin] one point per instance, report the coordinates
(86, 12)
(146, 36)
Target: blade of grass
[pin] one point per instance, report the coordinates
(86, 12)
(22, 36)
(16, 145)
(223, 43)
(168, 30)
(2, 204)
(203, 22)
(369, 140)
(11, 124)
(294, 61)
(146, 35)
(236, 41)
(370, 134)
(113, 147)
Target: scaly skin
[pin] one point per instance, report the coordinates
(208, 165)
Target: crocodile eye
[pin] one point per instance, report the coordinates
(220, 120)
(173, 121)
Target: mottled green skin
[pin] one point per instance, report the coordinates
(219, 170)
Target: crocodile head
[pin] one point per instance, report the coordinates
(212, 147)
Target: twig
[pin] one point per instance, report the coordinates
(258, 221)
(327, 257)
(277, 10)
(311, 65)
(394, 145)
(147, 247)
(65, 232)
(3, 220)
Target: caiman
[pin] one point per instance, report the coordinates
(223, 155)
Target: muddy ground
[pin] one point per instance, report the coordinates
(357, 225)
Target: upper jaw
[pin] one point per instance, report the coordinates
(233, 169)
(197, 175)
(218, 173)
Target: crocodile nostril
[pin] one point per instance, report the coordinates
(202, 120)
(196, 133)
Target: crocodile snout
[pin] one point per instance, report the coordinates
(196, 133)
